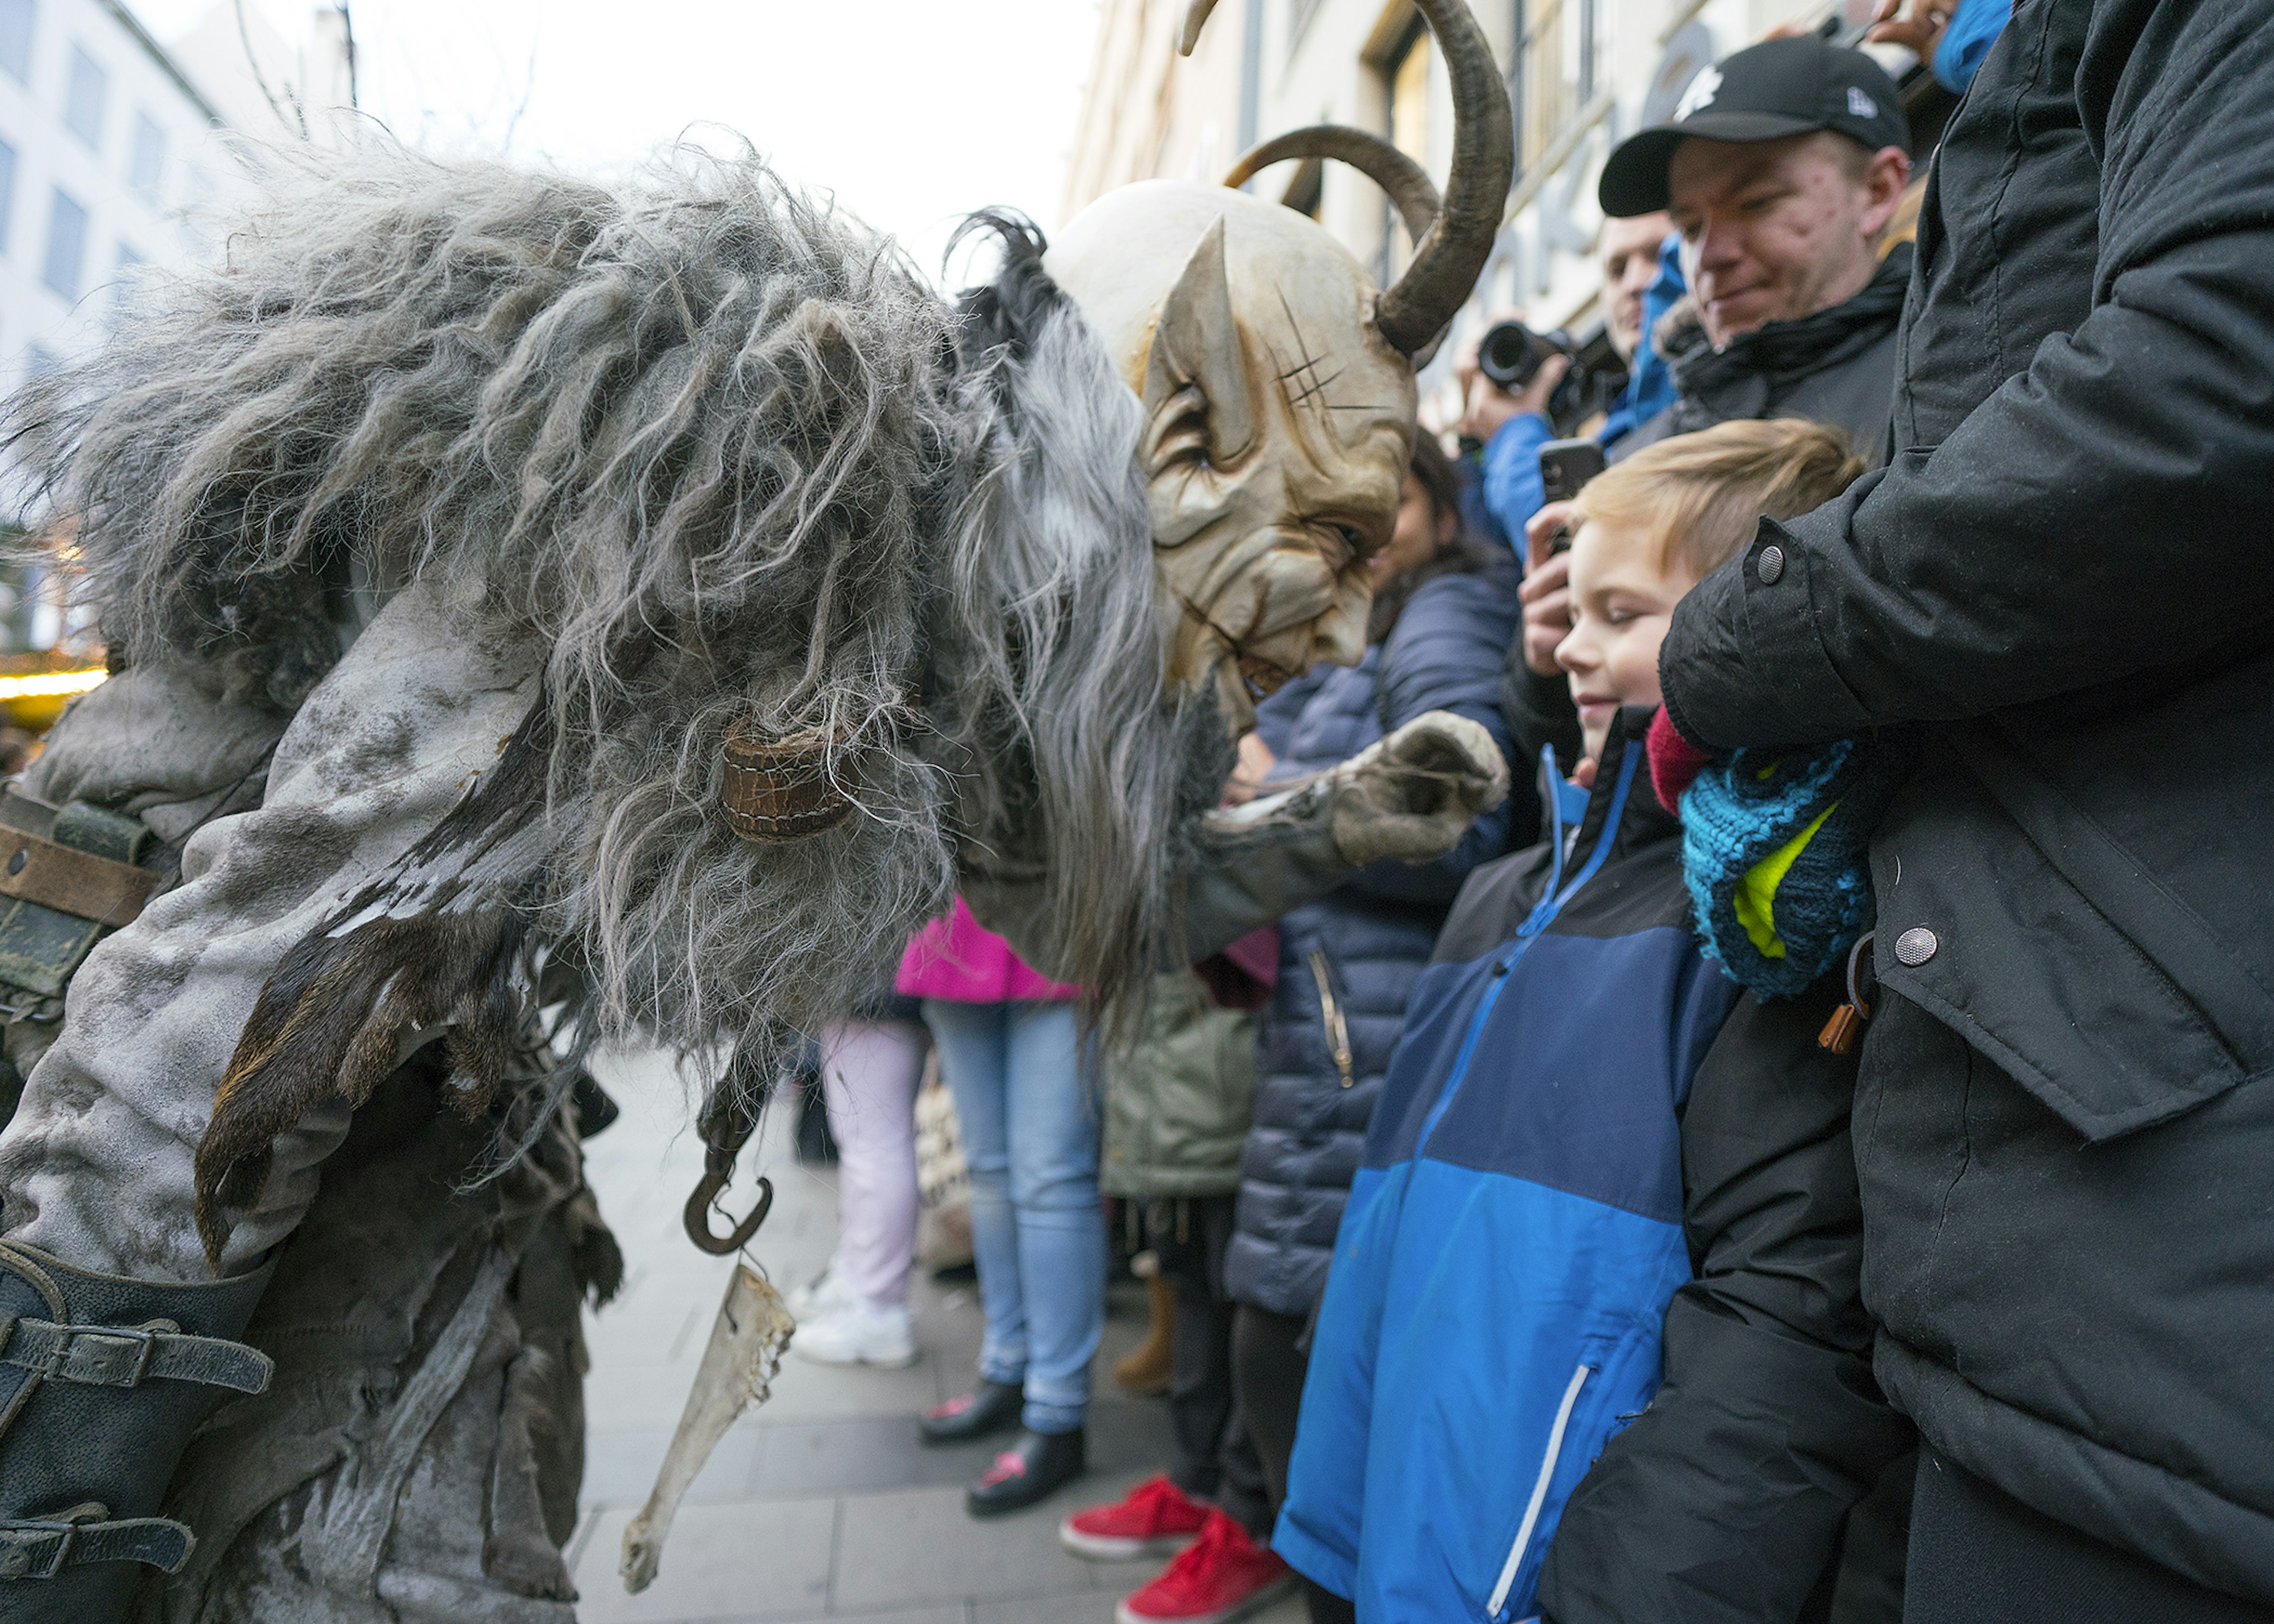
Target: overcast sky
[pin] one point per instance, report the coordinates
(913, 111)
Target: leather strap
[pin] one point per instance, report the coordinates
(104, 1355)
(39, 1550)
(34, 868)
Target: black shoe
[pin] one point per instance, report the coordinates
(990, 1407)
(1027, 1472)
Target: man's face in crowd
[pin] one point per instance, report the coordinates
(1629, 252)
(1623, 600)
(1777, 230)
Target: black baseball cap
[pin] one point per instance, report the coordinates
(1763, 93)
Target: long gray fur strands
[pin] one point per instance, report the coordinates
(714, 451)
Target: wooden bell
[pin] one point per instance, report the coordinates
(777, 786)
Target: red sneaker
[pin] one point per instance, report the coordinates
(1222, 1575)
(1156, 1518)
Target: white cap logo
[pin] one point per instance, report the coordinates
(1700, 94)
(1861, 106)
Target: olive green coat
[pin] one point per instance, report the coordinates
(1178, 1101)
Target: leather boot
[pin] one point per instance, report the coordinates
(1030, 1470)
(102, 1382)
(990, 1407)
(1145, 1369)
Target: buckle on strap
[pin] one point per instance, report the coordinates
(40, 1548)
(106, 1356)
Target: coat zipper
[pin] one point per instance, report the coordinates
(1539, 1492)
(1550, 905)
(1330, 1015)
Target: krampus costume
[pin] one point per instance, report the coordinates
(538, 608)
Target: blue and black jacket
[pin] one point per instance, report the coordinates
(1527, 1213)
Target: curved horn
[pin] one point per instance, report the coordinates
(1447, 259)
(1411, 193)
(1447, 262)
(1189, 36)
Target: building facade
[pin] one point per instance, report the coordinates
(1581, 74)
(116, 153)
(109, 157)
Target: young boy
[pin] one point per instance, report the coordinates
(1596, 1161)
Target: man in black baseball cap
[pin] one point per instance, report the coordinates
(1769, 91)
(1781, 169)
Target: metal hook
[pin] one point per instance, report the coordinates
(704, 1199)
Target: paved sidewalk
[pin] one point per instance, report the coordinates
(821, 1504)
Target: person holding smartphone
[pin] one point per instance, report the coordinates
(1640, 282)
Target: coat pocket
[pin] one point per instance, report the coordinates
(1526, 1531)
(2018, 922)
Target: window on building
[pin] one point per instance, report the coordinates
(146, 166)
(1555, 75)
(1408, 72)
(83, 97)
(7, 191)
(16, 38)
(66, 244)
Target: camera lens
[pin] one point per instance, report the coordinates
(1510, 354)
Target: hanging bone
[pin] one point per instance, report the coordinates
(739, 1365)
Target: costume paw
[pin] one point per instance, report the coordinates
(1413, 795)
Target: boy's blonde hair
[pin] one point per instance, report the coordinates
(1701, 497)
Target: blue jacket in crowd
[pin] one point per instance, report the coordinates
(1514, 1233)
(1967, 38)
(1510, 484)
(1347, 960)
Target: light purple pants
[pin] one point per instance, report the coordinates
(870, 1072)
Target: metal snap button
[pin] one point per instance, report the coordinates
(1770, 565)
(1915, 946)
(16, 863)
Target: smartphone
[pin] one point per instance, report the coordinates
(1567, 464)
(1564, 466)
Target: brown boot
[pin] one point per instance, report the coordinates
(1144, 1369)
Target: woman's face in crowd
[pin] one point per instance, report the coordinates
(1622, 603)
(1420, 531)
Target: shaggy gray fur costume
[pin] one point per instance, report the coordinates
(699, 454)
(443, 532)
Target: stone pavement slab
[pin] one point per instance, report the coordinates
(821, 1504)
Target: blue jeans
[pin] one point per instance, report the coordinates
(1024, 1104)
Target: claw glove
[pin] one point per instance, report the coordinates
(1410, 797)
(1413, 795)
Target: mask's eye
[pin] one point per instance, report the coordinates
(1353, 538)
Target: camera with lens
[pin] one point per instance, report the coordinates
(1511, 355)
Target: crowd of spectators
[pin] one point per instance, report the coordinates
(1533, 1235)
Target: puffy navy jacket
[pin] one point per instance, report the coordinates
(1347, 961)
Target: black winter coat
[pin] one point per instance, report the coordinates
(2066, 1117)
(1347, 961)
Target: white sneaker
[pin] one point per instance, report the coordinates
(816, 1296)
(857, 1332)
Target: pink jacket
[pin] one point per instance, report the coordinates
(960, 959)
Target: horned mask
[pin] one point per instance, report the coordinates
(1277, 381)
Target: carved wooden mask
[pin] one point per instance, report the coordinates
(1278, 423)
